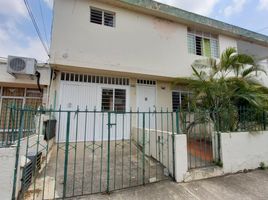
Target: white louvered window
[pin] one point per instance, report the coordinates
(203, 44)
(102, 17)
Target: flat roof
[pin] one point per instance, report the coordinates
(192, 19)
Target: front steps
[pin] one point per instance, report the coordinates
(203, 173)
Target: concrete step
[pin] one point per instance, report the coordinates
(203, 173)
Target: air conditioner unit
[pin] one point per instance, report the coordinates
(21, 66)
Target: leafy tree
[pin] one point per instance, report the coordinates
(222, 87)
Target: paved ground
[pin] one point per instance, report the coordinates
(245, 186)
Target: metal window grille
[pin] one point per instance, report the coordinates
(19, 97)
(180, 100)
(94, 79)
(199, 41)
(114, 100)
(102, 17)
(96, 16)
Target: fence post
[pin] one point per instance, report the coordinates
(264, 120)
(218, 129)
(177, 122)
(17, 155)
(66, 154)
(173, 147)
(143, 148)
(108, 155)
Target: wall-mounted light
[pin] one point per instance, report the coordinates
(163, 87)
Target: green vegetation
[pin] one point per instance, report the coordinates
(263, 166)
(228, 89)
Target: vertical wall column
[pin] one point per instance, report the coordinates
(181, 158)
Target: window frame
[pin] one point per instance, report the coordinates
(114, 99)
(103, 12)
(213, 39)
(188, 93)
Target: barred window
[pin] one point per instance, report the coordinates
(113, 100)
(202, 44)
(18, 97)
(181, 100)
(102, 17)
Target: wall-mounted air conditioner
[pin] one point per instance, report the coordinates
(21, 66)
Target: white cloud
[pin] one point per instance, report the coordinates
(19, 44)
(13, 8)
(32, 49)
(49, 3)
(204, 7)
(263, 5)
(13, 40)
(235, 7)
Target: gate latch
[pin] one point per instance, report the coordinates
(110, 125)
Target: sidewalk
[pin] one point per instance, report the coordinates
(244, 186)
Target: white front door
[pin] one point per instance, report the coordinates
(146, 98)
(146, 102)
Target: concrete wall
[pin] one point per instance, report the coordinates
(139, 43)
(7, 166)
(159, 145)
(243, 150)
(181, 157)
(7, 157)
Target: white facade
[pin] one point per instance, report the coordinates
(138, 43)
(141, 47)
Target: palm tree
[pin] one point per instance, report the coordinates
(224, 86)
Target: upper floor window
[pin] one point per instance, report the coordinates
(102, 17)
(203, 44)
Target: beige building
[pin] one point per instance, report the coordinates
(122, 54)
(22, 90)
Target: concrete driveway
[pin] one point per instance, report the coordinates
(244, 186)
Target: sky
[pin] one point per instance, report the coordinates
(18, 36)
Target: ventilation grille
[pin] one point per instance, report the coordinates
(27, 176)
(17, 64)
(146, 82)
(102, 17)
(30, 170)
(83, 78)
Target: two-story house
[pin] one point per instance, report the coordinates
(113, 55)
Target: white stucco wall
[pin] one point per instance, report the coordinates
(163, 151)
(181, 157)
(138, 44)
(7, 163)
(243, 150)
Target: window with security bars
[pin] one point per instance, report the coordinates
(181, 101)
(113, 100)
(102, 17)
(203, 44)
(18, 97)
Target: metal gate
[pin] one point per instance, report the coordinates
(202, 139)
(139, 153)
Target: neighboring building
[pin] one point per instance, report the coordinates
(21, 90)
(120, 54)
